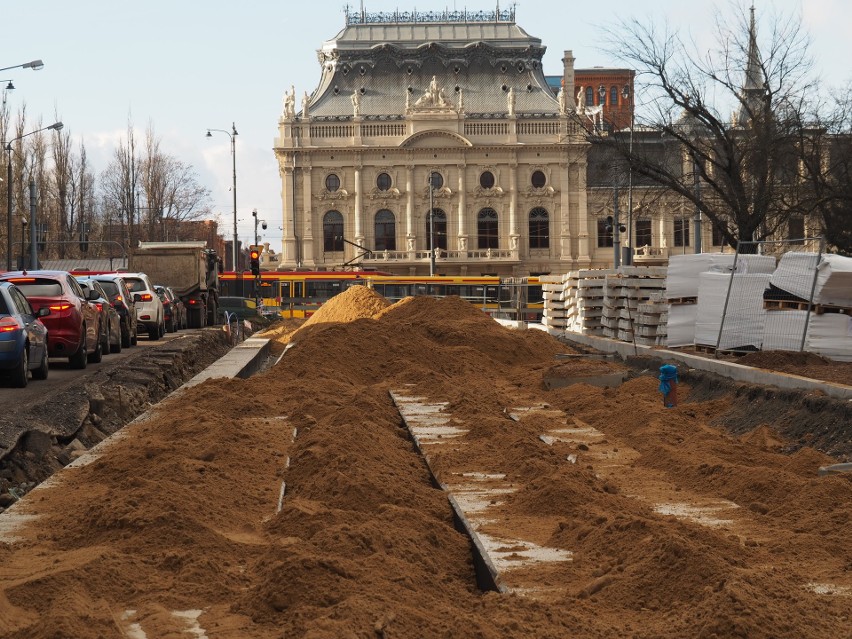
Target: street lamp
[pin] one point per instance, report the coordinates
(263, 225)
(626, 94)
(56, 126)
(233, 135)
(431, 223)
(35, 65)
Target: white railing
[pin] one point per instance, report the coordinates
(442, 255)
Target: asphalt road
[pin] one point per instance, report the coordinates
(60, 374)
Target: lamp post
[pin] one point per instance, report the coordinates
(233, 135)
(628, 261)
(23, 241)
(35, 65)
(263, 225)
(697, 219)
(56, 126)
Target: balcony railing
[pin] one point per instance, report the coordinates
(425, 255)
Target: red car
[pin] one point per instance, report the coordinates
(72, 325)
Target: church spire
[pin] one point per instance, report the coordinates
(754, 86)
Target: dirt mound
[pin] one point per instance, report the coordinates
(189, 511)
(356, 302)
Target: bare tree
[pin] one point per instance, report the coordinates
(118, 188)
(739, 169)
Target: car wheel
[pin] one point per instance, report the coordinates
(135, 339)
(97, 356)
(41, 371)
(117, 346)
(154, 332)
(21, 372)
(78, 359)
(126, 338)
(105, 345)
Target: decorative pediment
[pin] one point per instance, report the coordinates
(340, 194)
(544, 192)
(391, 194)
(443, 193)
(496, 191)
(435, 138)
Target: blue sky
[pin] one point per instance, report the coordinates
(182, 67)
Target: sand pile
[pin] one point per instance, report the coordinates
(182, 515)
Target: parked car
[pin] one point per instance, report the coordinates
(171, 313)
(110, 331)
(23, 337)
(180, 310)
(122, 301)
(149, 308)
(72, 324)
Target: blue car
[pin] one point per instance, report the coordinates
(23, 338)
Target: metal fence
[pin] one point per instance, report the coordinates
(766, 299)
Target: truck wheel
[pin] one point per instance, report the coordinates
(194, 317)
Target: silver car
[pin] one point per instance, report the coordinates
(149, 308)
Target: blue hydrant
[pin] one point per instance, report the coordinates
(668, 385)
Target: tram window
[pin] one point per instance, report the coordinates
(419, 289)
(325, 289)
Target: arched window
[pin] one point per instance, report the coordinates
(590, 96)
(385, 226)
(613, 95)
(440, 230)
(487, 229)
(539, 229)
(332, 232)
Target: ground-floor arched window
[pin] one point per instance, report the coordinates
(385, 227)
(539, 229)
(332, 232)
(487, 230)
(440, 230)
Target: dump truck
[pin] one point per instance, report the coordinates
(190, 268)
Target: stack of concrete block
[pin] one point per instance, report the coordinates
(590, 300)
(651, 322)
(560, 301)
(624, 291)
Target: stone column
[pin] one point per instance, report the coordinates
(583, 243)
(410, 234)
(564, 217)
(462, 213)
(359, 214)
(307, 240)
(514, 236)
(288, 242)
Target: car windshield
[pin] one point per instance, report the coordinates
(40, 288)
(110, 287)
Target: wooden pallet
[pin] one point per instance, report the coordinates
(711, 350)
(799, 305)
(677, 301)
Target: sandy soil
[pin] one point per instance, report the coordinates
(674, 528)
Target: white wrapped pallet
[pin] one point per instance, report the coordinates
(782, 330)
(683, 270)
(744, 315)
(830, 335)
(680, 327)
(794, 275)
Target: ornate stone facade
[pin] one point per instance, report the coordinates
(463, 100)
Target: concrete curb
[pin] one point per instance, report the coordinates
(241, 361)
(731, 370)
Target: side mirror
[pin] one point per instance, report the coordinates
(93, 295)
(137, 297)
(44, 311)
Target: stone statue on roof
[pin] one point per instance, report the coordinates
(289, 112)
(306, 100)
(563, 103)
(510, 101)
(433, 96)
(356, 103)
(581, 101)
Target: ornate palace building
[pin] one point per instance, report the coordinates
(456, 95)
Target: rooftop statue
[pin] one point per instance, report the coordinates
(433, 97)
(289, 112)
(356, 103)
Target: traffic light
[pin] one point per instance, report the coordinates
(610, 223)
(254, 257)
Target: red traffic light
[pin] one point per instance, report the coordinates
(255, 255)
